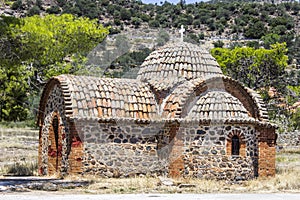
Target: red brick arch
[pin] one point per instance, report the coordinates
(55, 144)
(59, 80)
(51, 147)
(242, 140)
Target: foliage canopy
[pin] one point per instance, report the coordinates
(52, 39)
(254, 67)
(35, 48)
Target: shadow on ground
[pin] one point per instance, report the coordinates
(23, 184)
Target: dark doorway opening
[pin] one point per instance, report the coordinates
(55, 125)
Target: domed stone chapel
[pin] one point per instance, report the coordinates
(181, 117)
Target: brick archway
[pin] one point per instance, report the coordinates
(55, 145)
(242, 143)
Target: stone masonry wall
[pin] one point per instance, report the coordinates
(289, 139)
(206, 155)
(121, 149)
(115, 149)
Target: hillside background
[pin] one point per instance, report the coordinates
(137, 28)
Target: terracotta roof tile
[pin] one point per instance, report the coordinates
(96, 97)
(211, 105)
(218, 105)
(190, 77)
(169, 65)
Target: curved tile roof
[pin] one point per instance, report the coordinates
(176, 61)
(261, 106)
(179, 101)
(87, 97)
(217, 105)
(182, 78)
(159, 84)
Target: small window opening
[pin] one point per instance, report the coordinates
(235, 148)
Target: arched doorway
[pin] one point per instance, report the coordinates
(54, 146)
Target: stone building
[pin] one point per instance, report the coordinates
(180, 117)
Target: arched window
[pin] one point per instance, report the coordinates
(235, 146)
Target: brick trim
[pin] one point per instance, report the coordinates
(242, 140)
(61, 81)
(54, 152)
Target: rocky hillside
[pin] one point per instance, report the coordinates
(230, 22)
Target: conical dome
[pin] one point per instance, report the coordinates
(176, 62)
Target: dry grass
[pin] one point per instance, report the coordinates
(21, 169)
(287, 179)
(18, 156)
(148, 185)
(287, 174)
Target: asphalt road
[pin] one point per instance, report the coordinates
(25, 196)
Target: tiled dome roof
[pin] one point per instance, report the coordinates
(202, 97)
(177, 61)
(218, 105)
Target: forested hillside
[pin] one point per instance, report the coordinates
(244, 32)
(233, 20)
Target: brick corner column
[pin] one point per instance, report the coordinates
(176, 162)
(267, 152)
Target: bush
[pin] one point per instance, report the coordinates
(53, 10)
(162, 38)
(256, 30)
(113, 31)
(201, 36)
(35, 10)
(17, 5)
(296, 119)
(218, 44)
(117, 22)
(136, 22)
(153, 24)
(22, 169)
(125, 14)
